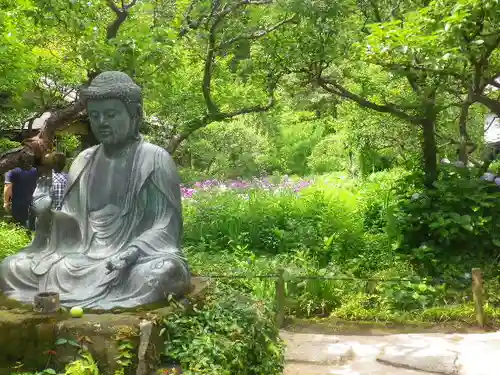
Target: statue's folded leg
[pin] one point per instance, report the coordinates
(148, 281)
(17, 281)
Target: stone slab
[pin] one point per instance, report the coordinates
(318, 349)
(362, 368)
(433, 359)
(460, 354)
(307, 369)
(479, 356)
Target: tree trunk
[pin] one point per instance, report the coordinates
(463, 154)
(35, 148)
(429, 148)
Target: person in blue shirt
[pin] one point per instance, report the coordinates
(18, 193)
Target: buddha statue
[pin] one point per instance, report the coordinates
(116, 241)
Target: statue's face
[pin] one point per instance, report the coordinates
(110, 121)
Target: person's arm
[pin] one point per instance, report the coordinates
(7, 191)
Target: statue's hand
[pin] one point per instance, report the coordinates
(123, 260)
(42, 205)
(42, 201)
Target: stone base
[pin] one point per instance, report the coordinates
(37, 341)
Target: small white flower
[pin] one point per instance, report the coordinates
(488, 176)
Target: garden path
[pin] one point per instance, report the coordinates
(401, 354)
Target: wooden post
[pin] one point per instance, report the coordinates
(478, 295)
(280, 299)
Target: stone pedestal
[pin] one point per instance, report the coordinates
(34, 339)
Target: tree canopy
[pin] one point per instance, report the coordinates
(256, 86)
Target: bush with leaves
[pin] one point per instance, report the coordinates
(12, 238)
(273, 222)
(6, 144)
(229, 334)
(449, 229)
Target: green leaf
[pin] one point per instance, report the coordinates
(74, 343)
(61, 341)
(125, 346)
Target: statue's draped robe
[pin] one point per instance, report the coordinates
(72, 258)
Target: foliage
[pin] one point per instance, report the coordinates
(126, 356)
(339, 232)
(69, 144)
(329, 155)
(228, 150)
(6, 144)
(452, 227)
(12, 238)
(85, 365)
(348, 85)
(228, 334)
(337, 240)
(273, 222)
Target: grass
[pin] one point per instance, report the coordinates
(12, 238)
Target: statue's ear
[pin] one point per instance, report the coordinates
(139, 111)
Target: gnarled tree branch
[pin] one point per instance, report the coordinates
(193, 125)
(214, 21)
(121, 15)
(256, 34)
(337, 89)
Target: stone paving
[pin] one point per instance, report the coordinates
(403, 354)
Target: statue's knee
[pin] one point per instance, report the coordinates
(5, 264)
(171, 278)
(19, 262)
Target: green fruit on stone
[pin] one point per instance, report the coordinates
(76, 312)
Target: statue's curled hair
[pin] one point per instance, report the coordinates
(117, 85)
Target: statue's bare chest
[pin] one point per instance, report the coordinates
(109, 181)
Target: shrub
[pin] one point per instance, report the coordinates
(228, 335)
(377, 195)
(328, 155)
(12, 238)
(6, 144)
(449, 229)
(275, 223)
(319, 231)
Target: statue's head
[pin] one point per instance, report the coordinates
(114, 106)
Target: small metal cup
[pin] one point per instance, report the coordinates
(46, 303)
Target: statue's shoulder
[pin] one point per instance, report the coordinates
(81, 161)
(87, 153)
(155, 151)
(159, 160)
